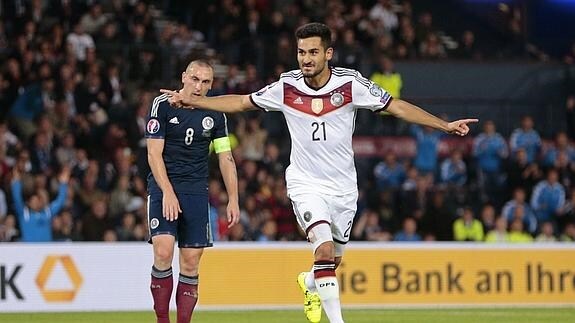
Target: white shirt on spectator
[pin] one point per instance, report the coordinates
(79, 43)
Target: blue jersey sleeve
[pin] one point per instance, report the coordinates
(156, 125)
(221, 126)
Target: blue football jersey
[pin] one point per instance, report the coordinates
(187, 134)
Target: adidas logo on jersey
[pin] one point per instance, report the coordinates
(298, 100)
(174, 120)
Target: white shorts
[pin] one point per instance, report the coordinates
(338, 212)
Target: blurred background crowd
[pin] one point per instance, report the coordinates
(77, 79)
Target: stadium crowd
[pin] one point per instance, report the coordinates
(78, 78)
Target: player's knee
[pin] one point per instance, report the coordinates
(321, 238)
(190, 261)
(189, 264)
(163, 255)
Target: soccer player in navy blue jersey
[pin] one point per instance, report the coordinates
(178, 143)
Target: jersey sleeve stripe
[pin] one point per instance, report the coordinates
(255, 104)
(292, 74)
(386, 104)
(226, 123)
(156, 104)
(347, 72)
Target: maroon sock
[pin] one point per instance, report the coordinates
(186, 297)
(161, 287)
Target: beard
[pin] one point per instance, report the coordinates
(313, 73)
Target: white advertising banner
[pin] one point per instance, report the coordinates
(75, 277)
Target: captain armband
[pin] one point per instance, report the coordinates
(222, 144)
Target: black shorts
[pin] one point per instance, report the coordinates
(192, 229)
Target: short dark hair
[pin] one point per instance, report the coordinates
(201, 62)
(315, 29)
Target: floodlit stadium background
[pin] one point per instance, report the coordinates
(81, 99)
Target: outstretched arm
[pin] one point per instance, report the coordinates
(63, 179)
(231, 103)
(412, 113)
(17, 197)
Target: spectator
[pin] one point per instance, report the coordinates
(568, 234)
(562, 144)
(282, 213)
(41, 154)
(110, 236)
(409, 232)
(252, 82)
(386, 208)
(389, 174)
(521, 173)
(252, 138)
(517, 208)
(384, 16)
(349, 53)
(272, 161)
(96, 222)
(548, 198)
(499, 233)
(527, 138)
(93, 20)
(268, 231)
(568, 215)
(368, 227)
(438, 218)
(546, 234)
(120, 197)
(490, 150)
(79, 42)
(453, 170)
(427, 142)
(34, 216)
(432, 48)
(63, 227)
(565, 169)
(8, 229)
(387, 78)
(125, 231)
(487, 217)
(29, 105)
(517, 234)
(238, 233)
(467, 227)
(467, 47)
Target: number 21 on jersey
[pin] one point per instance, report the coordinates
(318, 131)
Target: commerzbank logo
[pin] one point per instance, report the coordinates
(46, 271)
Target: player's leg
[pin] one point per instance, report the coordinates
(187, 290)
(324, 271)
(194, 234)
(330, 248)
(311, 211)
(162, 237)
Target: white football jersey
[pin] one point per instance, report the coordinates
(321, 124)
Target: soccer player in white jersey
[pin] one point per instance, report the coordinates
(319, 103)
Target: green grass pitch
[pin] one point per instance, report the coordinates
(503, 315)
